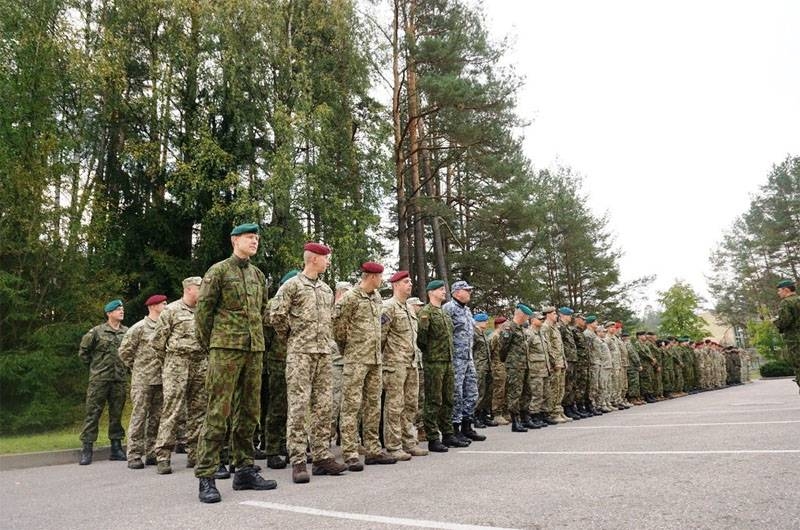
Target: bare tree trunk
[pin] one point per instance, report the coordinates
(399, 161)
(432, 190)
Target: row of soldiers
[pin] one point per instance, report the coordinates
(309, 362)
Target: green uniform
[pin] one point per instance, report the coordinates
(275, 413)
(788, 324)
(633, 370)
(480, 356)
(229, 321)
(512, 348)
(571, 355)
(435, 340)
(107, 375)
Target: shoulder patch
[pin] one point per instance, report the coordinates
(505, 334)
(385, 319)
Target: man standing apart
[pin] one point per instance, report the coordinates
(301, 316)
(357, 330)
(788, 323)
(147, 394)
(229, 319)
(435, 340)
(184, 366)
(400, 376)
(107, 376)
(465, 395)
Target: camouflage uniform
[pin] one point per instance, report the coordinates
(538, 371)
(633, 371)
(275, 415)
(554, 384)
(668, 371)
(613, 376)
(511, 347)
(435, 340)
(571, 356)
(301, 316)
(337, 368)
(606, 369)
(583, 367)
(647, 375)
(498, 384)
(592, 342)
(788, 324)
(184, 375)
(400, 374)
(480, 355)
(229, 320)
(658, 372)
(465, 395)
(357, 329)
(146, 390)
(624, 363)
(107, 375)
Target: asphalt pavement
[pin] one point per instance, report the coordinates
(723, 459)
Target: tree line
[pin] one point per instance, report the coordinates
(135, 134)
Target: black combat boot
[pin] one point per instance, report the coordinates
(528, 423)
(116, 451)
(208, 491)
(451, 440)
(478, 421)
(516, 424)
(488, 420)
(583, 410)
(538, 419)
(86, 454)
(247, 478)
(469, 432)
(222, 472)
(436, 446)
(276, 462)
(460, 435)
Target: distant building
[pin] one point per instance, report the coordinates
(724, 333)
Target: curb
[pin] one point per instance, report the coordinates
(50, 458)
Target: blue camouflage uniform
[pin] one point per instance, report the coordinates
(465, 394)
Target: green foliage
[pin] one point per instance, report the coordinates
(776, 369)
(765, 339)
(679, 318)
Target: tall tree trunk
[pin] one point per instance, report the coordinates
(399, 160)
(432, 190)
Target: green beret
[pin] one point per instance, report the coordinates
(525, 309)
(247, 228)
(289, 275)
(590, 318)
(112, 305)
(785, 283)
(434, 284)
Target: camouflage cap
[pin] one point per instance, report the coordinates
(415, 301)
(191, 280)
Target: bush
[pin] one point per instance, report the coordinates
(776, 369)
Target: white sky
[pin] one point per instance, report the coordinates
(674, 112)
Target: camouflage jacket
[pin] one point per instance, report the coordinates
(633, 356)
(232, 306)
(645, 354)
(175, 333)
(788, 319)
(556, 347)
(435, 334)
(538, 360)
(613, 350)
(276, 347)
(568, 340)
(301, 315)
(580, 346)
(463, 323)
(99, 348)
(592, 342)
(511, 346)
(139, 356)
(357, 326)
(606, 358)
(480, 346)
(624, 360)
(398, 333)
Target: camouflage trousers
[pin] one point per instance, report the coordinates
(595, 387)
(677, 379)
(336, 389)
(582, 381)
(555, 392)
(517, 380)
(533, 394)
(146, 401)
(570, 384)
(401, 388)
(498, 387)
(361, 385)
(465, 389)
(420, 421)
(605, 386)
(275, 420)
(438, 399)
(483, 377)
(658, 382)
(98, 393)
(614, 385)
(793, 357)
(634, 391)
(233, 386)
(668, 378)
(185, 402)
(308, 399)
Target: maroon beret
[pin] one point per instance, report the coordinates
(317, 248)
(371, 267)
(155, 299)
(499, 320)
(397, 276)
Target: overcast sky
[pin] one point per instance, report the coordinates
(674, 112)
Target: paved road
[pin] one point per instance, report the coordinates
(723, 459)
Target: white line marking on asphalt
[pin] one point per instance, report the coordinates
(591, 453)
(778, 422)
(396, 521)
(639, 413)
